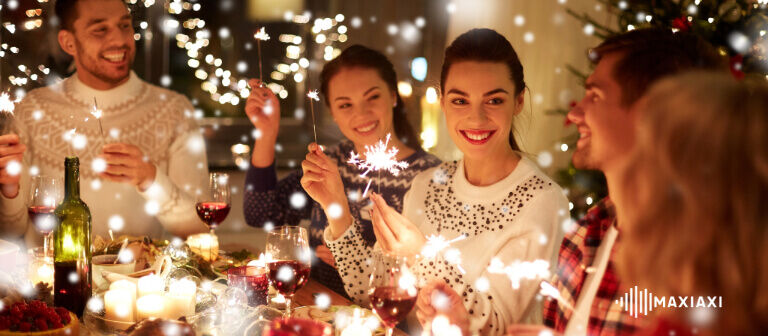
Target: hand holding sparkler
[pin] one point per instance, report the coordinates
(126, 163)
(438, 298)
(11, 155)
(394, 232)
(263, 110)
(322, 181)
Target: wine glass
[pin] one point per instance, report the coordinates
(392, 289)
(44, 196)
(213, 205)
(290, 261)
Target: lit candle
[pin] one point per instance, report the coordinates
(118, 304)
(356, 327)
(152, 305)
(181, 298)
(151, 284)
(125, 285)
(204, 244)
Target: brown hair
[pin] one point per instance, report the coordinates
(66, 11)
(697, 190)
(358, 56)
(485, 45)
(652, 53)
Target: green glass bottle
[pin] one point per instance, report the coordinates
(72, 245)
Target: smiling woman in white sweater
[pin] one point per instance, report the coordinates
(506, 207)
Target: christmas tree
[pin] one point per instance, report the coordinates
(737, 28)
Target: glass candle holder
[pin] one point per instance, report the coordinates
(254, 280)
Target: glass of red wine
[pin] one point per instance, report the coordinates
(288, 247)
(213, 205)
(392, 289)
(44, 196)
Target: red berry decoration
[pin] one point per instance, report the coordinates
(33, 316)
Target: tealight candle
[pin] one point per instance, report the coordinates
(118, 304)
(151, 284)
(152, 305)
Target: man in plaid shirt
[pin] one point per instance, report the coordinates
(625, 67)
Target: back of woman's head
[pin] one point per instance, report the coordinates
(358, 56)
(484, 45)
(698, 188)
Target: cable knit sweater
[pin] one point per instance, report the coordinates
(156, 120)
(515, 219)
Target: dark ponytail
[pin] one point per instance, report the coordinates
(485, 45)
(358, 56)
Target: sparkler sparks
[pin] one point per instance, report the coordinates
(551, 291)
(6, 104)
(377, 158)
(260, 35)
(313, 96)
(520, 270)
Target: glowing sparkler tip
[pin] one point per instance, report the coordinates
(6, 104)
(313, 95)
(261, 34)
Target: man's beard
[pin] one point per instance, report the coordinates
(91, 65)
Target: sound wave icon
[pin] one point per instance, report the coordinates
(638, 302)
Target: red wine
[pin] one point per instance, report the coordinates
(253, 280)
(43, 218)
(212, 213)
(391, 304)
(67, 293)
(288, 276)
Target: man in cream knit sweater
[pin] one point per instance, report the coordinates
(139, 176)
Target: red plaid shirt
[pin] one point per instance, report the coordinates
(577, 253)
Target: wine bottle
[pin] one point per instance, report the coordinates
(72, 245)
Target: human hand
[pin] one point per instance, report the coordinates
(127, 164)
(438, 298)
(11, 150)
(394, 232)
(322, 181)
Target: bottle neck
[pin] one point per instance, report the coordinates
(71, 178)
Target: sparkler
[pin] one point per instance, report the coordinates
(519, 270)
(97, 113)
(551, 291)
(377, 158)
(436, 244)
(6, 113)
(260, 35)
(313, 96)
(6, 104)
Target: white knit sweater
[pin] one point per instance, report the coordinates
(156, 120)
(516, 219)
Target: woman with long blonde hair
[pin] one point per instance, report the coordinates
(693, 203)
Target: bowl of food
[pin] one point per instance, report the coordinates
(35, 318)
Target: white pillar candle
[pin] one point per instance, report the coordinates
(178, 306)
(125, 285)
(152, 305)
(151, 284)
(118, 304)
(181, 296)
